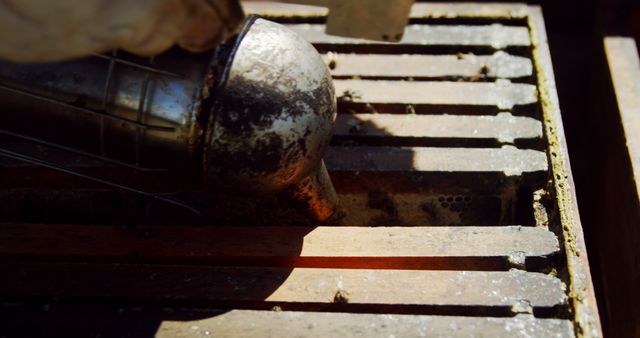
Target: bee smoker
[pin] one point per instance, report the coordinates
(255, 115)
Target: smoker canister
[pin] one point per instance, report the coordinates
(255, 115)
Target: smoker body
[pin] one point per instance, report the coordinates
(254, 115)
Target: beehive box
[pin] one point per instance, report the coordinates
(451, 166)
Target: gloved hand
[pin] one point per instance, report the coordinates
(53, 30)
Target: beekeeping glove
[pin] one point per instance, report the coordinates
(53, 30)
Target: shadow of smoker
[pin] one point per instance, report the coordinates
(150, 282)
(132, 293)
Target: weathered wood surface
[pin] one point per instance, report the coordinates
(507, 159)
(91, 320)
(419, 10)
(616, 230)
(502, 93)
(370, 247)
(247, 323)
(503, 127)
(498, 65)
(298, 288)
(496, 35)
(580, 286)
(434, 170)
(624, 66)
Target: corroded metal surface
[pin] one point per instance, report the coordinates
(273, 119)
